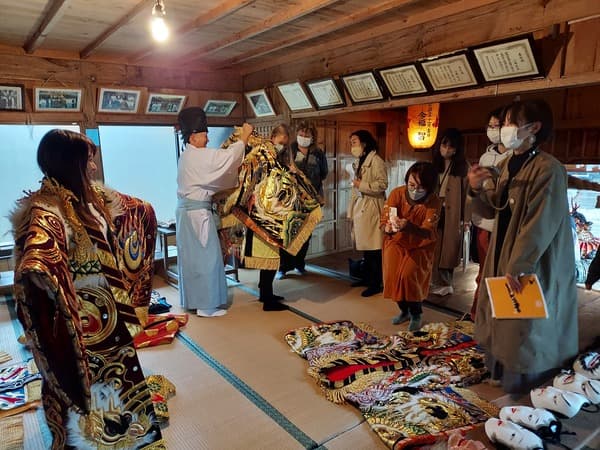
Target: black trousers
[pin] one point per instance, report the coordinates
(290, 262)
(414, 308)
(265, 284)
(373, 268)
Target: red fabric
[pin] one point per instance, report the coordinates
(341, 373)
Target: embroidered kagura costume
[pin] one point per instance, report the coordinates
(279, 208)
(80, 313)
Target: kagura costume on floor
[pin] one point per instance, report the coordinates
(279, 208)
(80, 323)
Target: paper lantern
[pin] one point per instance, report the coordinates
(423, 123)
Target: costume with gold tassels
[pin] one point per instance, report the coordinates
(279, 208)
(77, 289)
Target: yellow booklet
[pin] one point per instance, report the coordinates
(507, 304)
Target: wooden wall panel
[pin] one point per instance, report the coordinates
(583, 49)
(370, 50)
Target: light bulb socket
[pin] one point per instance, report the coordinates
(158, 9)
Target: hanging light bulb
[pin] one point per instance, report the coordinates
(160, 31)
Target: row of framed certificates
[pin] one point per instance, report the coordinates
(486, 64)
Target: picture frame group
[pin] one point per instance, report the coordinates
(11, 97)
(57, 99)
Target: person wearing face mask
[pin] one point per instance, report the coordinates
(366, 204)
(482, 215)
(202, 172)
(451, 166)
(308, 158)
(409, 220)
(532, 235)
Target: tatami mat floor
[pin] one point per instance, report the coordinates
(239, 386)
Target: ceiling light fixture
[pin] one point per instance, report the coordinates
(160, 31)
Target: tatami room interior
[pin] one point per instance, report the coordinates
(240, 386)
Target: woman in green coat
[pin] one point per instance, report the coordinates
(532, 234)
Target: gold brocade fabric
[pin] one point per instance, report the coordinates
(279, 207)
(77, 288)
(405, 385)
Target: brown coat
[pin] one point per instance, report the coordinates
(366, 203)
(408, 254)
(538, 240)
(451, 238)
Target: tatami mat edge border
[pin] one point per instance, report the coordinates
(250, 394)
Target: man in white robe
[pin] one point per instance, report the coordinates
(201, 173)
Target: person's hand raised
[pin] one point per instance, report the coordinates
(247, 130)
(477, 175)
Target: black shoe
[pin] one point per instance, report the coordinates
(370, 291)
(275, 298)
(359, 283)
(275, 306)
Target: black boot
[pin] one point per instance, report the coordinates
(274, 305)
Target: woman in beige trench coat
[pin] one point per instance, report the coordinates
(532, 234)
(366, 205)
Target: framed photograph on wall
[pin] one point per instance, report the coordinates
(326, 93)
(449, 72)
(57, 99)
(118, 100)
(514, 59)
(260, 103)
(403, 80)
(219, 108)
(362, 87)
(11, 97)
(295, 96)
(164, 103)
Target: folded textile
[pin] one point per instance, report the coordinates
(20, 388)
(405, 385)
(160, 330)
(161, 389)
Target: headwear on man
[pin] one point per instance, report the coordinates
(192, 120)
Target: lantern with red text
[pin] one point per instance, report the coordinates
(423, 123)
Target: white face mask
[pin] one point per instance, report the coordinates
(417, 194)
(303, 142)
(356, 151)
(509, 135)
(493, 135)
(278, 147)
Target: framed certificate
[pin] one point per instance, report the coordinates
(449, 72)
(404, 80)
(326, 93)
(362, 87)
(295, 96)
(506, 60)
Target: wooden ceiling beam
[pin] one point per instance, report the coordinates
(219, 12)
(276, 20)
(409, 21)
(362, 15)
(141, 6)
(53, 12)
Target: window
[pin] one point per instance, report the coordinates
(20, 172)
(141, 161)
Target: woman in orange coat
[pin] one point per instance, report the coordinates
(409, 221)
